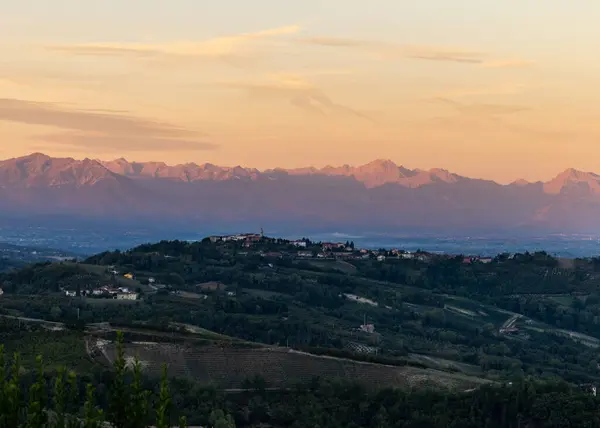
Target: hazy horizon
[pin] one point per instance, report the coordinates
(314, 83)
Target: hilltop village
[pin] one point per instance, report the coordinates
(306, 249)
(124, 285)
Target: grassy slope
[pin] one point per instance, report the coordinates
(58, 348)
(122, 281)
(227, 366)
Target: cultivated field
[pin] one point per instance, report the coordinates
(227, 366)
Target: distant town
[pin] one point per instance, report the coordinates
(308, 249)
(277, 248)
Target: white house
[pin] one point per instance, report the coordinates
(127, 296)
(367, 328)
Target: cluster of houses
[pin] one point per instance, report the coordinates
(119, 293)
(341, 251)
(335, 250)
(245, 237)
(469, 260)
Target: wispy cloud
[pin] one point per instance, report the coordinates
(508, 63)
(220, 47)
(496, 118)
(111, 143)
(486, 91)
(89, 128)
(490, 117)
(342, 42)
(299, 93)
(420, 52)
(9, 83)
(438, 53)
(483, 109)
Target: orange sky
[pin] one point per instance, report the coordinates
(508, 91)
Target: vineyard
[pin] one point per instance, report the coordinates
(228, 367)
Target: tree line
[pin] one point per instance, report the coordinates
(59, 400)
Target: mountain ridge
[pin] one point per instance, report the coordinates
(385, 170)
(38, 169)
(377, 195)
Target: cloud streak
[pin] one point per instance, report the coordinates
(437, 53)
(483, 109)
(429, 53)
(219, 47)
(485, 91)
(299, 93)
(109, 143)
(89, 128)
(508, 63)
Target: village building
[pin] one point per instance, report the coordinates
(127, 296)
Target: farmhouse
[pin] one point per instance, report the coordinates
(127, 296)
(333, 246)
(252, 237)
(211, 286)
(273, 255)
(367, 328)
(344, 255)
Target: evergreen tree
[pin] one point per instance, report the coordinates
(59, 398)
(92, 417)
(12, 395)
(119, 399)
(164, 404)
(139, 398)
(37, 416)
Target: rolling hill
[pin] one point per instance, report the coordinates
(394, 321)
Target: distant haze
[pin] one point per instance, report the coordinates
(376, 198)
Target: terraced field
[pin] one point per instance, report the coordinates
(227, 367)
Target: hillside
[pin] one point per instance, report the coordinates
(329, 402)
(230, 365)
(390, 196)
(518, 315)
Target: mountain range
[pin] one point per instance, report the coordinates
(378, 196)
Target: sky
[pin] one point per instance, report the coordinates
(488, 89)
